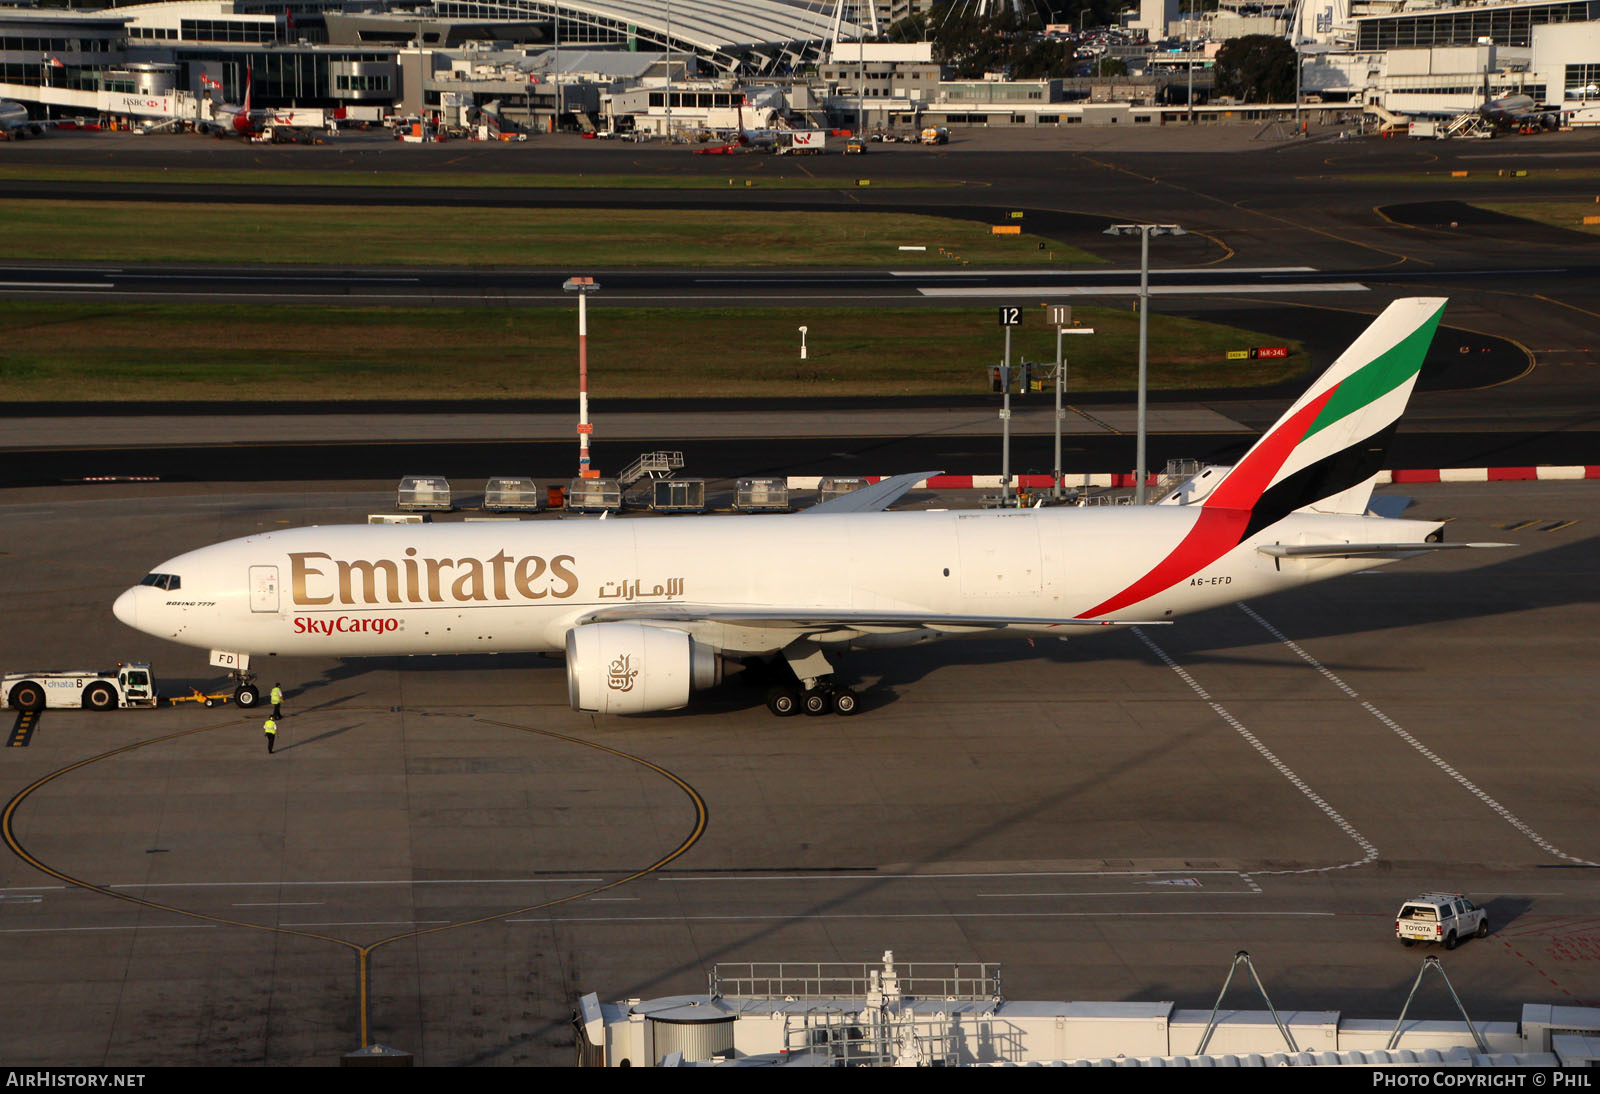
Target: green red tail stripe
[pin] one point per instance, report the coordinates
(1249, 499)
(1223, 519)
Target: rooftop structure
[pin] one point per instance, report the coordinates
(889, 1014)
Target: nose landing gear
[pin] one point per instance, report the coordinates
(245, 694)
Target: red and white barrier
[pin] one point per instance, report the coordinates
(1126, 479)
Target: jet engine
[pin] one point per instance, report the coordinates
(632, 668)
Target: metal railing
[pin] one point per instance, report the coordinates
(655, 465)
(845, 979)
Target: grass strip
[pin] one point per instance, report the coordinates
(1558, 214)
(121, 232)
(1506, 175)
(183, 352)
(740, 173)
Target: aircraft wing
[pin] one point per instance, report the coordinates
(871, 499)
(1366, 550)
(814, 619)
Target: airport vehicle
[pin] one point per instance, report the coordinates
(648, 610)
(935, 134)
(804, 142)
(855, 146)
(127, 685)
(1439, 917)
(209, 699)
(15, 123)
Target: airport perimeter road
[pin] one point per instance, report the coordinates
(1110, 819)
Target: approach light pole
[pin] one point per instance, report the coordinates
(669, 72)
(1188, 46)
(1299, 94)
(583, 286)
(1144, 232)
(802, 343)
(1061, 320)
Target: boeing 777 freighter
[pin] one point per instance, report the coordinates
(647, 610)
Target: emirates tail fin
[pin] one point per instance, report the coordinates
(1326, 450)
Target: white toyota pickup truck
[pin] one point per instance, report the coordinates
(1440, 917)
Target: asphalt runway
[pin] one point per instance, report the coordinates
(1110, 818)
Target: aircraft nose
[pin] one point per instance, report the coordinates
(126, 608)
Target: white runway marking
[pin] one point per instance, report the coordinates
(269, 277)
(1369, 852)
(369, 923)
(785, 917)
(55, 285)
(1433, 758)
(1123, 892)
(1133, 290)
(1231, 271)
(875, 876)
(125, 927)
(334, 884)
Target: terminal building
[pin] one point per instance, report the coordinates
(1438, 58)
(648, 65)
(159, 60)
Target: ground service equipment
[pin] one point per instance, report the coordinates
(127, 685)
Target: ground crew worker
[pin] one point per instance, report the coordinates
(277, 700)
(271, 728)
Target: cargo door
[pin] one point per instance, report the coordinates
(999, 554)
(263, 588)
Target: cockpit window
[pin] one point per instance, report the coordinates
(163, 581)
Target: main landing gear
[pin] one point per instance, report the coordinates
(824, 696)
(801, 680)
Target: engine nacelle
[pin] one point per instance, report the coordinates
(632, 668)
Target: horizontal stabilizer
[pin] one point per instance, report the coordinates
(872, 499)
(1388, 505)
(1366, 550)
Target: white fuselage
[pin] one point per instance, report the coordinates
(457, 588)
(14, 116)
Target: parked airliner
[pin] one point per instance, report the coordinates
(238, 121)
(647, 610)
(15, 122)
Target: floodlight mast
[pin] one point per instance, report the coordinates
(1144, 231)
